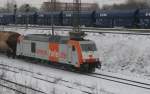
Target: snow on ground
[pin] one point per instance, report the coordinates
(126, 55)
(77, 82)
(62, 80)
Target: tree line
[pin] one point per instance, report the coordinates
(129, 4)
(45, 7)
(10, 7)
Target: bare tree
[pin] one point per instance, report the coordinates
(129, 4)
(31, 8)
(46, 6)
(95, 6)
(10, 5)
(3, 10)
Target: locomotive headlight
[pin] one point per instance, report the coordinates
(84, 60)
(90, 52)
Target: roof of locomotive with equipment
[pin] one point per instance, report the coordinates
(47, 38)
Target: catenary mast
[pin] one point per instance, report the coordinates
(76, 15)
(76, 34)
(53, 8)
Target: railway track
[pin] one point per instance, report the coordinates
(20, 92)
(114, 79)
(88, 29)
(122, 80)
(40, 77)
(14, 86)
(95, 75)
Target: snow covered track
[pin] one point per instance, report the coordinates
(108, 77)
(39, 76)
(127, 55)
(14, 86)
(121, 80)
(95, 75)
(86, 29)
(51, 77)
(12, 89)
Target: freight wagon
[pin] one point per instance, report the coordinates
(138, 18)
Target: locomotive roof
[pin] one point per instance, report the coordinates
(47, 38)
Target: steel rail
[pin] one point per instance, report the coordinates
(102, 76)
(20, 92)
(115, 77)
(70, 27)
(106, 77)
(121, 80)
(90, 29)
(20, 85)
(38, 78)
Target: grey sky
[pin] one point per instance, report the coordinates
(38, 3)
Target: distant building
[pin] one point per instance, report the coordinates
(69, 6)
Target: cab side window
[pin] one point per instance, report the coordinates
(73, 48)
(33, 47)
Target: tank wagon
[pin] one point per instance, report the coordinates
(77, 53)
(45, 18)
(144, 18)
(8, 43)
(22, 18)
(135, 18)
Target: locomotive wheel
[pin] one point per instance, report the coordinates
(9, 53)
(91, 69)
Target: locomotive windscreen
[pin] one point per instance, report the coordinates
(88, 47)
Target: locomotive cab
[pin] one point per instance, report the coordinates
(83, 53)
(90, 56)
(89, 52)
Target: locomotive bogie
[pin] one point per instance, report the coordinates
(8, 42)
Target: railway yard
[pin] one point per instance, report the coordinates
(75, 47)
(28, 79)
(125, 68)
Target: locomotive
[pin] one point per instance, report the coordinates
(73, 51)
